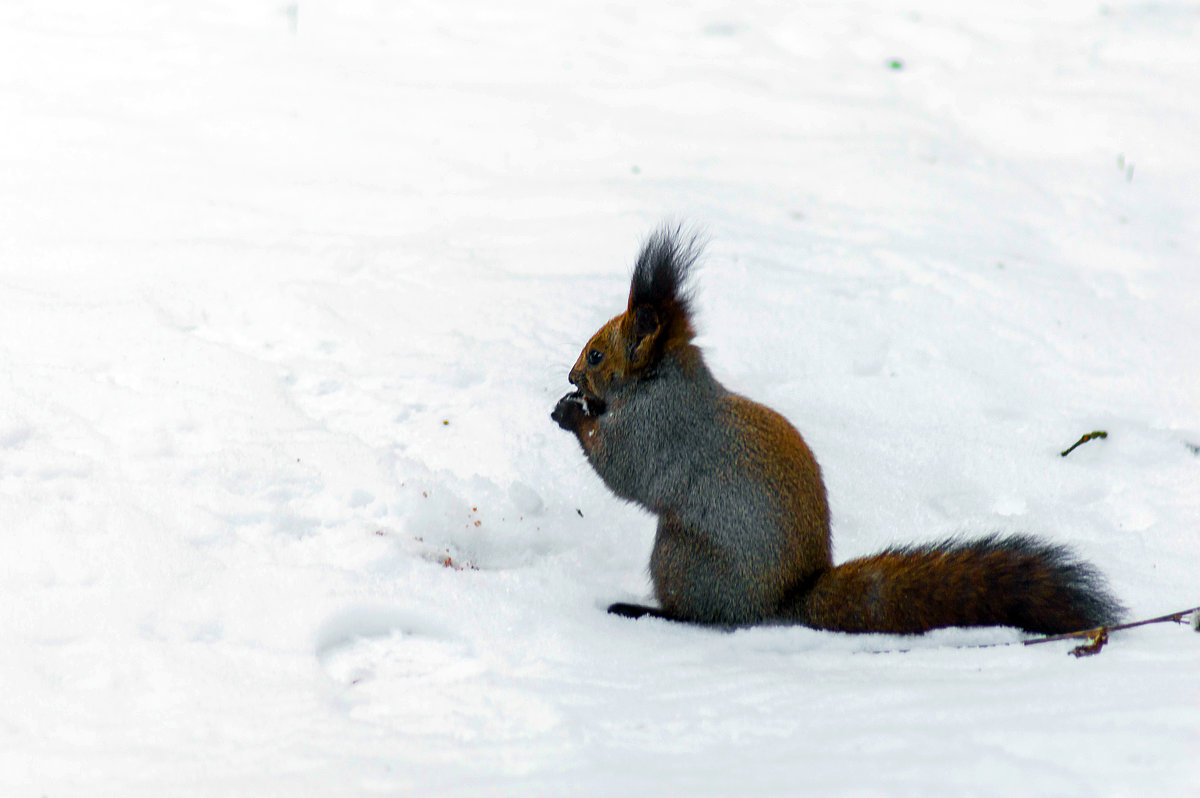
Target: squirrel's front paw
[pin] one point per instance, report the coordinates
(569, 411)
(572, 409)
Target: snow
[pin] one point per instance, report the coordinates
(288, 291)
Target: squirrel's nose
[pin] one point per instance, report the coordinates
(574, 377)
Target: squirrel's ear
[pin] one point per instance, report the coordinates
(659, 310)
(645, 321)
(646, 328)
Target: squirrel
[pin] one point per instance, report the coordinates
(743, 534)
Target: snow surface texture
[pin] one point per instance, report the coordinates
(287, 293)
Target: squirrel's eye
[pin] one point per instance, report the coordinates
(594, 357)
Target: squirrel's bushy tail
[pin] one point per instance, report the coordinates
(993, 581)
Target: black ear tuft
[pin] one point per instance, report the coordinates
(662, 269)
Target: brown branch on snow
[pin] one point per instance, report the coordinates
(1096, 637)
(1182, 616)
(1088, 649)
(1090, 436)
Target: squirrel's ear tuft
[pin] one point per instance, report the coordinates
(661, 274)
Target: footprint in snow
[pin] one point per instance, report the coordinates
(407, 673)
(355, 645)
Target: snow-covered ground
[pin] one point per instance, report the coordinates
(287, 292)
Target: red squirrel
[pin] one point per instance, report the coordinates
(743, 520)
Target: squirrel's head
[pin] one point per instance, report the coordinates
(656, 320)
